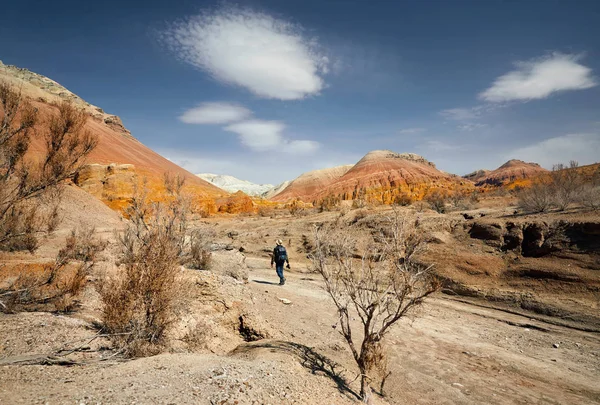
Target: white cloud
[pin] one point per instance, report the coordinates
(540, 78)
(215, 113)
(411, 131)
(261, 135)
(301, 147)
(459, 114)
(584, 148)
(267, 56)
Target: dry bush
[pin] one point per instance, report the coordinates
(266, 211)
(375, 277)
(566, 184)
(143, 300)
(437, 200)
(404, 199)
(55, 286)
(563, 187)
(199, 255)
(27, 183)
(459, 200)
(329, 203)
(536, 198)
(589, 195)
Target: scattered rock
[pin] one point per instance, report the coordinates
(556, 345)
(285, 301)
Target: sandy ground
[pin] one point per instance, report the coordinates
(453, 353)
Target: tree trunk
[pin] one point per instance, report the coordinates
(364, 388)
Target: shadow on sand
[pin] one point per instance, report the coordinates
(309, 358)
(264, 282)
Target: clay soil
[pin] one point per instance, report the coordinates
(457, 349)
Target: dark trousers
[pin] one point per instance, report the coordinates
(279, 269)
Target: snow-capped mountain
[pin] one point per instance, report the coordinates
(233, 184)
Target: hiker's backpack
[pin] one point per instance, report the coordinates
(280, 254)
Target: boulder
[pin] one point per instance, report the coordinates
(229, 263)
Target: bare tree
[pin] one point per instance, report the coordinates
(567, 183)
(539, 197)
(375, 276)
(26, 178)
(589, 196)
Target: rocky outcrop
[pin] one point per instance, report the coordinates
(476, 175)
(538, 239)
(108, 182)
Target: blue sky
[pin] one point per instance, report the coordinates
(265, 90)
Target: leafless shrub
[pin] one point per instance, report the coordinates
(566, 184)
(437, 200)
(374, 276)
(266, 211)
(329, 203)
(460, 200)
(537, 198)
(55, 286)
(142, 301)
(589, 195)
(404, 199)
(199, 256)
(24, 180)
(173, 185)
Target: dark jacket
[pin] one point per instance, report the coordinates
(274, 255)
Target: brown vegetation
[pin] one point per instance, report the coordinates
(562, 188)
(53, 286)
(143, 299)
(27, 183)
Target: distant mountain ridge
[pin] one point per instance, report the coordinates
(308, 184)
(233, 184)
(512, 171)
(381, 175)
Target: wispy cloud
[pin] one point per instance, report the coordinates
(540, 78)
(439, 146)
(262, 135)
(301, 147)
(471, 126)
(215, 113)
(268, 56)
(584, 148)
(411, 131)
(459, 114)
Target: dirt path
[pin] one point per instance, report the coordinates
(453, 353)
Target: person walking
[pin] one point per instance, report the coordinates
(278, 258)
